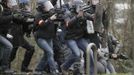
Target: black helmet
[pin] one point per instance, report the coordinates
(40, 7)
(3, 2)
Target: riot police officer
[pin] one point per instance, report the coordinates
(45, 32)
(75, 30)
(18, 30)
(6, 46)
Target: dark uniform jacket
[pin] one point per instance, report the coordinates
(5, 20)
(75, 29)
(18, 30)
(77, 26)
(47, 30)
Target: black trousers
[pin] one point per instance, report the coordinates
(28, 54)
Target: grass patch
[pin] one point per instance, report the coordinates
(117, 74)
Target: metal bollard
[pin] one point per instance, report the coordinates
(93, 47)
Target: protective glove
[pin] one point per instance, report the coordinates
(53, 17)
(9, 36)
(29, 19)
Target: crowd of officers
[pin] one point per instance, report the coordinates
(57, 27)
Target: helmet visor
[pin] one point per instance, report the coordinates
(48, 5)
